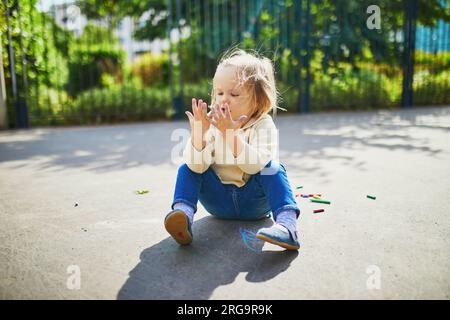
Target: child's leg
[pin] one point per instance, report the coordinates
(217, 198)
(284, 207)
(206, 187)
(277, 189)
(178, 222)
(187, 188)
(252, 202)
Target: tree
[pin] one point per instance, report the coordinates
(150, 12)
(45, 44)
(338, 26)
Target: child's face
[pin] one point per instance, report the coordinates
(228, 90)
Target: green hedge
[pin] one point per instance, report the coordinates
(152, 69)
(135, 102)
(128, 102)
(88, 65)
(345, 91)
(431, 88)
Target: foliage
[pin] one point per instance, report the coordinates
(45, 46)
(432, 88)
(351, 91)
(432, 61)
(92, 58)
(127, 102)
(118, 103)
(339, 25)
(86, 79)
(152, 69)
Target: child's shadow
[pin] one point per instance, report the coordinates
(221, 249)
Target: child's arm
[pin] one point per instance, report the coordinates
(199, 161)
(263, 147)
(199, 123)
(250, 157)
(198, 151)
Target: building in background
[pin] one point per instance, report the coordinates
(435, 39)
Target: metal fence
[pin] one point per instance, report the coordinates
(65, 65)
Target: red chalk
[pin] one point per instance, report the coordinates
(318, 210)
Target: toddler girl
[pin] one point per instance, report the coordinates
(230, 158)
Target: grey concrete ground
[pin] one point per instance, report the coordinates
(67, 204)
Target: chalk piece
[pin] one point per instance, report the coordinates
(371, 197)
(320, 201)
(318, 210)
(305, 196)
(299, 187)
(316, 197)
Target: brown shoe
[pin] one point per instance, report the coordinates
(178, 225)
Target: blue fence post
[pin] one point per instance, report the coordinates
(20, 105)
(298, 54)
(409, 39)
(303, 99)
(178, 102)
(306, 100)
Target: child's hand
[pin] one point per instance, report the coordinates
(199, 123)
(221, 118)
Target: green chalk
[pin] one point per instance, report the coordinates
(299, 187)
(371, 197)
(320, 201)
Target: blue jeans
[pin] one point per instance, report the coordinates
(261, 194)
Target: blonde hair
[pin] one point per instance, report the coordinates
(257, 75)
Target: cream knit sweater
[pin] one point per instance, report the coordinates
(261, 146)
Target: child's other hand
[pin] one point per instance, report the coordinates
(220, 117)
(199, 122)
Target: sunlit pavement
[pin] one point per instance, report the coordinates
(73, 227)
